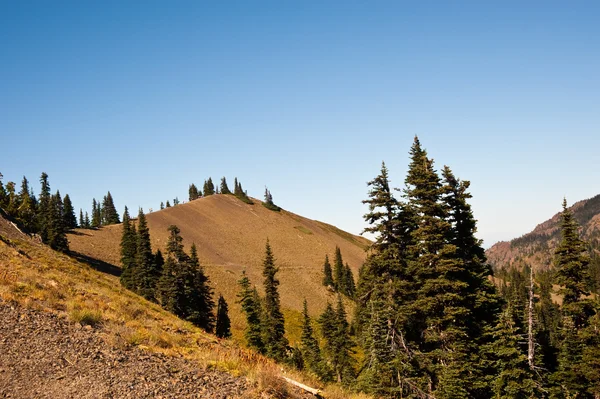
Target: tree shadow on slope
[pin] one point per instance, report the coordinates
(97, 264)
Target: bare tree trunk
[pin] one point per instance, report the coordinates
(530, 340)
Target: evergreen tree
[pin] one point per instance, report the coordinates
(81, 219)
(168, 204)
(88, 224)
(309, 346)
(223, 325)
(349, 285)
(193, 192)
(240, 193)
(175, 201)
(327, 273)
(276, 343)
(209, 187)
(338, 345)
(338, 270)
(200, 295)
(26, 212)
(515, 379)
(70, 219)
(548, 317)
(109, 212)
(224, 188)
(147, 273)
(57, 232)
(162, 205)
(250, 302)
(96, 214)
(237, 188)
(13, 200)
(572, 275)
(45, 208)
(268, 202)
(3, 194)
(128, 252)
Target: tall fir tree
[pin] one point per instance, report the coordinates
(327, 273)
(200, 295)
(81, 219)
(276, 343)
(224, 187)
(338, 345)
(147, 273)
(128, 252)
(268, 202)
(309, 346)
(251, 306)
(193, 192)
(338, 270)
(209, 187)
(45, 208)
(88, 223)
(57, 232)
(223, 324)
(96, 214)
(572, 275)
(3, 193)
(70, 219)
(109, 212)
(27, 207)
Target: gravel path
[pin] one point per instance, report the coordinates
(44, 356)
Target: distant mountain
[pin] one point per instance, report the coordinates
(230, 236)
(537, 248)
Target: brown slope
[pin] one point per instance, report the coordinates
(231, 235)
(537, 247)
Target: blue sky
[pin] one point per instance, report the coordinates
(305, 97)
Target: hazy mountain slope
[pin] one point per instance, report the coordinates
(231, 235)
(537, 248)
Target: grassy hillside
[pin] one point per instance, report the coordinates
(230, 236)
(39, 278)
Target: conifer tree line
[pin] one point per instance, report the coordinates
(210, 189)
(340, 278)
(330, 360)
(50, 215)
(176, 280)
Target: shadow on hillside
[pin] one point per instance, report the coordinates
(78, 233)
(97, 264)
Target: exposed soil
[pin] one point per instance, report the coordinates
(44, 356)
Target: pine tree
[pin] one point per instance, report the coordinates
(171, 289)
(3, 194)
(349, 285)
(109, 212)
(240, 193)
(338, 270)
(96, 214)
(147, 273)
(193, 192)
(128, 252)
(327, 273)
(88, 224)
(223, 325)
(45, 208)
(162, 205)
(200, 295)
(224, 188)
(572, 275)
(338, 345)
(515, 379)
(268, 202)
(57, 232)
(273, 323)
(209, 187)
(250, 302)
(175, 201)
(309, 347)
(26, 212)
(81, 219)
(70, 219)
(168, 205)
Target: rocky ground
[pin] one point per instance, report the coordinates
(45, 356)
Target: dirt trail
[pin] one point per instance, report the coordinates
(44, 356)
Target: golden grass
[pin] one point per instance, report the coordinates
(40, 278)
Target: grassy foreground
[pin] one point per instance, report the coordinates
(40, 278)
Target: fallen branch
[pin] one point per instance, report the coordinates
(316, 392)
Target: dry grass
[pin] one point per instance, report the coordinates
(231, 235)
(40, 278)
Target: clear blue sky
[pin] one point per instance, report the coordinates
(305, 97)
